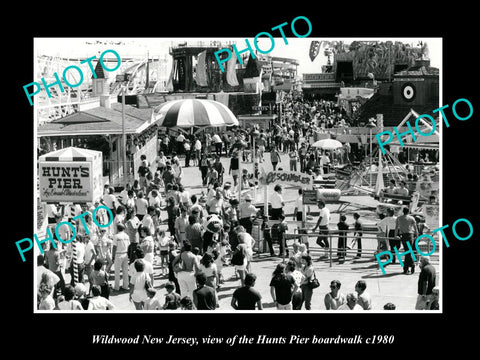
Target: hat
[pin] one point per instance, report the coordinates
(227, 185)
(170, 284)
(248, 197)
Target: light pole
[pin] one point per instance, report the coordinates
(255, 136)
(124, 140)
(371, 124)
(123, 79)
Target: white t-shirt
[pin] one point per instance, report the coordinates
(154, 201)
(109, 200)
(198, 145)
(387, 223)
(141, 204)
(216, 138)
(138, 280)
(325, 214)
(89, 252)
(184, 196)
(147, 270)
(276, 200)
(80, 247)
(299, 204)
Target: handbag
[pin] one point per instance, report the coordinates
(313, 283)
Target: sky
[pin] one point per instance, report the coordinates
(297, 48)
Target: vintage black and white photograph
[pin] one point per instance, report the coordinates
(274, 174)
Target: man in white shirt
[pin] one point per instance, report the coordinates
(161, 161)
(154, 199)
(120, 246)
(198, 151)
(90, 255)
(218, 143)
(277, 202)
(387, 228)
(52, 213)
(247, 213)
(147, 220)
(322, 224)
(119, 218)
(187, 148)
(181, 223)
(123, 196)
(216, 205)
(325, 163)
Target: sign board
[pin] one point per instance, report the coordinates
(286, 177)
(309, 197)
(64, 179)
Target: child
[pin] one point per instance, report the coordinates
(223, 251)
(186, 303)
(217, 260)
(100, 278)
(267, 235)
(152, 303)
(301, 250)
(105, 244)
(282, 230)
(163, 242)
(358, 234)
(224, 234)
(342, 237)
(172, 299)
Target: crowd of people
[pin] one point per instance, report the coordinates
(205, 232)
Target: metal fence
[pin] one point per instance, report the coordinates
(373, 242)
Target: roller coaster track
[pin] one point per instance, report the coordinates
(60, 104)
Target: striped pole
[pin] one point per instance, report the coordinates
(74, 247)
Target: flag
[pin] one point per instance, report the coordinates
(231, 72)
(314, 49)
(201, 69)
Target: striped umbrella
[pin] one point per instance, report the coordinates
(187, 113)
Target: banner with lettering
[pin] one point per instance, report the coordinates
(286, 177)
